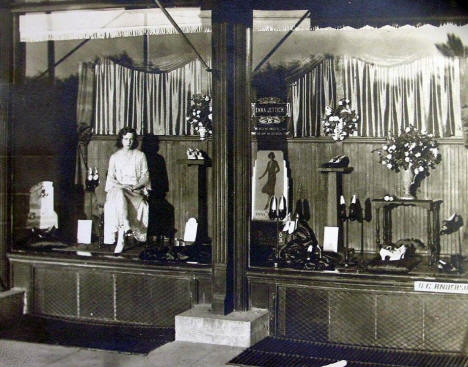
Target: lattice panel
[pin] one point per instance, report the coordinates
(151, 300)
(442, 327)
(399, 321)
(351, 317)
(96, 295)
(303, 313)
(133, 293)
(55, 292)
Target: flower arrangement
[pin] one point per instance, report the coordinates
(340, 122)
(411, 150)
(199, 115)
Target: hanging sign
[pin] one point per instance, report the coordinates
(270, 116)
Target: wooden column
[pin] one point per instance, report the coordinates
(231, 22)
(6, 27)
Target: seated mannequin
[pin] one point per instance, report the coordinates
(127, 185)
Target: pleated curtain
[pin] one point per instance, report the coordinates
(151, 102)
(424, 93)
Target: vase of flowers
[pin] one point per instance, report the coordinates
(340, 122)
(412, 152)
(199, 115)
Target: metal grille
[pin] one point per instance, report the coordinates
(132, 294)
(55, 292)
(442, 327)
(151, 300)
(351, 317)
(399, 321)
(287, 352)
(361, 317)
(96, 296)
(303, 313)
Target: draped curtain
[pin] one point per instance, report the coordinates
(424, 93)
(151, 102)
(310, 94)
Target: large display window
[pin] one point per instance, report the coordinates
(339, 115)
(84, 81)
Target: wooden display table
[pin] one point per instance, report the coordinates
(432, 208)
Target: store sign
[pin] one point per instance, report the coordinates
(441, 287)
(270, 116)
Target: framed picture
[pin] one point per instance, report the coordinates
(270, 178)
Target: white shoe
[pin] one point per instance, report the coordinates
(120, 242)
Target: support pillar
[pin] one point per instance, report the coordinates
(231, 24)
(6, 27)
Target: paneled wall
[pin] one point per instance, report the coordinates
(448, 182)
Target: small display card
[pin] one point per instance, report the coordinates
(84, 231)
(330, 239)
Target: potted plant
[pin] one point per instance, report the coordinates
(414, 153)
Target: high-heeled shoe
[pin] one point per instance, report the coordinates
(342, 209)
(282, 208)
(273, 208)
(354, 209)
(339, 161)
(451, 224)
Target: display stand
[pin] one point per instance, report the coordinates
(199, 207)
(335, 190)
(432, 208)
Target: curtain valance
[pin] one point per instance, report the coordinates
(112, 96)
(424, 93)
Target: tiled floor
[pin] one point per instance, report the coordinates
(175, 354)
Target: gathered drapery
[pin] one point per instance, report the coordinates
(152, 103)
(310, 94)
(424, 93)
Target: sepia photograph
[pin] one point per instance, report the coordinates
(214, 183)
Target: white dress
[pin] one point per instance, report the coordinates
(124, 209)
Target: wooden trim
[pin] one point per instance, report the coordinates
(362, 140)
(159, 137)
(105, 263)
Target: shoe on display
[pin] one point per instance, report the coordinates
(342, 208)
(339, 161)
(273, 208)
(451, 224)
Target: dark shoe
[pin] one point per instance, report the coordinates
(273, 208)
(355, 211)
(342, 209)
(340, 161)
(451, 224)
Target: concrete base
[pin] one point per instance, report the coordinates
(238, 329)
(11, 306)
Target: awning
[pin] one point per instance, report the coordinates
(108, 23)
(112, 23)
(120, 22)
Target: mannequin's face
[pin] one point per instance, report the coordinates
(127, 140)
